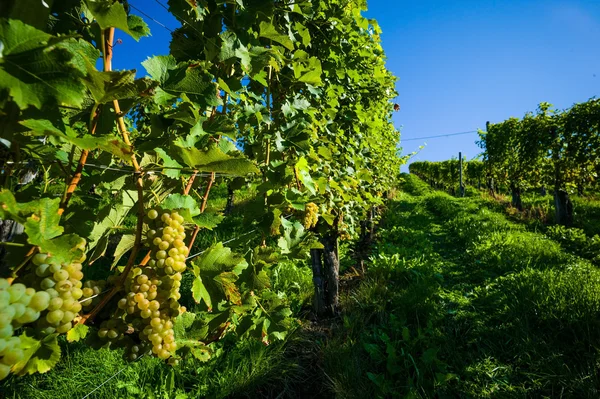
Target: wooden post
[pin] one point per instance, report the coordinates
(460, 173)
(318, 280)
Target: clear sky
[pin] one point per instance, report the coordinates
(460, 63)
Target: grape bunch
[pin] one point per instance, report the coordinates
(311, 215)
(91, 293)
(152, 296)
(19, 305)
(62, 281)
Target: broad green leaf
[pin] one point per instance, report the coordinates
(199, 292)
(39, 355)
(171, 166)
(208, 220)
(216, 272)
(116, 85)
(111, 144)
(304, 175)
(186, 204)
(77, 333)
(111, 14)
(213, 159)
(293, 235)
(137, 27)
(268, 31)
(126, 243)
(35, 69)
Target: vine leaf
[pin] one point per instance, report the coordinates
(304, 175)
(116, 85)
(39, 355)
(168, 163)
(213, 159)
(126, 243)
(35, 70)
(185, 204)
(268, 31)
(112, 15)
(111, 144)
(216, 272)
(77, 333)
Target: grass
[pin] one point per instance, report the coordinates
(460, 299)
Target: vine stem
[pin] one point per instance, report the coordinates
(190, 182)
(192, 239)
(211, 180)
(107, 46)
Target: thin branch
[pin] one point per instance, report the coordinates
(207, 192)
(193, 239)
(139, 186)
(190, 182)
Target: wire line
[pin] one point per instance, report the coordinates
(441, 135)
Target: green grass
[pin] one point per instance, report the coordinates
(460, 301)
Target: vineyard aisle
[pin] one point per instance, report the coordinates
(460, 301)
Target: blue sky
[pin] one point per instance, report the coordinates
(459, 63)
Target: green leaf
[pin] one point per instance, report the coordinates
(169, 162)
(199, 291)
(39, 356)
(35, 70)
(304, 175)
(111, 144)
(99, 250)
(77, 333)
(213, 159)
(293, 235)
(126, 243)
(268, 31)
(216, 272)
(185, 204)
(116, 85)
(208, 220)
(137, 27)
(111, 14)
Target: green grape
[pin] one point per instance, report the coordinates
(63, 328)
(64, 286)
(19, 309)
(54, 268)
(47, 283)
(29, 316)
(39, 259)
(55, 316)
(68, 316)
(68, 304)
(4, 299)
(55, 303)
(16, 291)
(4, 371)
(152, 214)
(6, 331)
(76, 308)
(12, 356)
(60, 275)
(42, 270)
(102, 332)
(112, 334)
(87, 292)
(3, 345)
(4, 284)
(5, 319)
(53, 293)
(76, 293)
(40, 301)
(173, 362)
